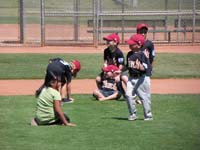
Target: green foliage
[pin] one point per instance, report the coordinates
(103, 125)
(33, 66)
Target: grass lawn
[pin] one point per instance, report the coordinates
(33, 66)
(103, 125)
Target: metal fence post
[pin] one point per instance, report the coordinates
(76, 2)
(166, 17)
(100, 18)
(97, 20)
(42, 24)
(194, 19)
(22, 21)
(123, 22)
(179, 19)
(94, 23)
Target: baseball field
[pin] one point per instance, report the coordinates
(101, 125)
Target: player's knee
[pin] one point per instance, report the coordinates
(117, 79)
(118, 95)
(98, 79)
(124, 79)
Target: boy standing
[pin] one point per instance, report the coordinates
(139, 82)
(148, 46)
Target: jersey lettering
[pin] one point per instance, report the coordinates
(131, 64)
(109, 85)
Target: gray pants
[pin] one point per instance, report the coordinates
(139, 87)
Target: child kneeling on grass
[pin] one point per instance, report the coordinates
(48, 108)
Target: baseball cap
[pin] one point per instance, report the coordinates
(141, 25)
(136, 39)
(77, 65)
(110, 68)
(112, 37)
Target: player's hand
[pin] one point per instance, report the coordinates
(70, 125)
(137, 64)
(146, 53)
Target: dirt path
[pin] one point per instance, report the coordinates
(159, 86)
(77, 50)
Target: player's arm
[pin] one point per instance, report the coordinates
(121, 67)
(68, 90)
(68, 79)
(139, 65)
(142, 63)
(152, 52)
(60, 113)
(105, 64)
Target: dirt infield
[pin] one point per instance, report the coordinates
(159, 86)
(195, 49)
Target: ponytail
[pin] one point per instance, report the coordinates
(37, 92)
(49, 78)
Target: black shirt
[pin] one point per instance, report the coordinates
(132, 57)
(60, 68)
(114, 58)
(149, 46)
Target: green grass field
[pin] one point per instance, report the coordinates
(100, 125)
(103, 125)
(32, 66)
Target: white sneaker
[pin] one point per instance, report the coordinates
(132, 117)
(148, 119)
(138, 101)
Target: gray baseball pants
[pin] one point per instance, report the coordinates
(140, 87)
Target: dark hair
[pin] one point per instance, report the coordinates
(143, 30)
(49, 78)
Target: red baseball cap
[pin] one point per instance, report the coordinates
(136, 39)
(112, 37)
(141, 25)
(77, 65)
(110, 68)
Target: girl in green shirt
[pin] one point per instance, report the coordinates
(48, 108)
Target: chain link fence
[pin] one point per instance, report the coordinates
(72, 22)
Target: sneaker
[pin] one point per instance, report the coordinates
(95, 96)
(138, 101)
(66, 100)
(132, 117)
(148, 119)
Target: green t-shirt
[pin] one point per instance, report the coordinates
(45, 113)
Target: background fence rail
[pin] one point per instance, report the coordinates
(68, 22)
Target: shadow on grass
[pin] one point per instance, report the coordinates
(125, 119)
